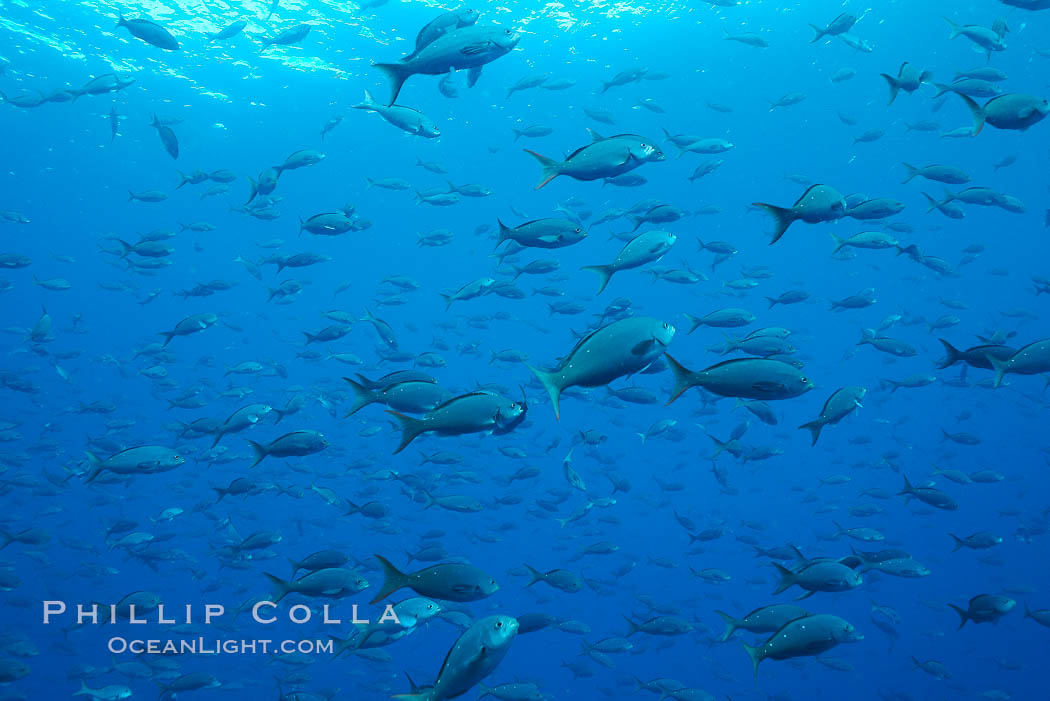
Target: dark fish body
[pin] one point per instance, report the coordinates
(469, 47)
(294, 444)
(443, 24)
(615, 350)
(229, 31)
(167, 138)
(288, 36)
(839, 405)
(745, 378)
(476, 412)
(149, 32)
(602, 158)
(820, 203)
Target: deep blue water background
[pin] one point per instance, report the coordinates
(62, 172)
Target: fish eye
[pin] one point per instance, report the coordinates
(499, 624)
(507, 32)
(805, 380)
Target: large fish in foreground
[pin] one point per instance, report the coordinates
(149, 32)
(839, 405)
(746, 378)
(643, 248)
(141, 460)
(604, 157)
(820, 203)
(616, 350)
(469, 47)
(1030, 360)
(476, 412)
(1015, 111)
(803, 637)
(474, 656)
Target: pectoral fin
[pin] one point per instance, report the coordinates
(643, 348)
(474, 49)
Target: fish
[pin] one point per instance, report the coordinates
(909, 79)
(292, 35)
(615, 350)
(640, 250)
(474, 412)
(149, 32)
(744, 378)
(475, 654)
(604, 157)
(468, 47)
(404, 118)
(839, 405)
(1013, 111)
(803, 637)
(820, 203)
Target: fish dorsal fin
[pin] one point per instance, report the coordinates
(462, 396)
(806, 193)
(595, 136)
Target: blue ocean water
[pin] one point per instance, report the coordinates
(93, 382)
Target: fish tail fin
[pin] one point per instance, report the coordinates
(912, 172)
(782, 219)
(605, 273)
(549, 382)
(819, 36)
(978, 113)
(397, 74)
(95, 463)
(368, 103)
(814, 428)
(952, 355)
(959, 542)
(449, 298)
(362, 396)
(956, 30)
(534, 575)
(941, 89)
(754, 654)
(907, 489)
(772, 301)
(633, 627)
(504, 233)
(393, 579)
(731, 625)
(684, 378)
(696, 322)
(894, 86)
(787, 578)
(839, 243)
(964, 616)
(310, 338)
(410, 428)
(1000, 367)
(222, 492)
(933, 206)
(549, 168)
(282, 587)
(260, 452)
